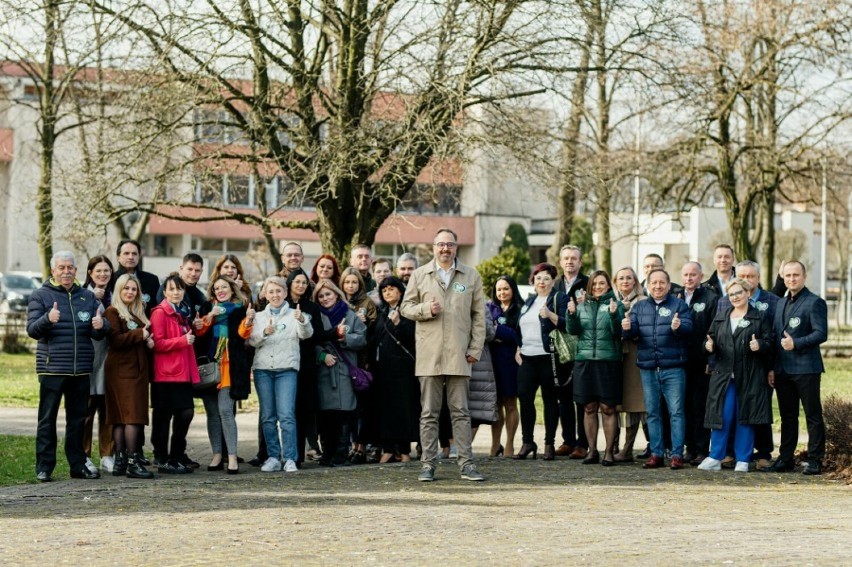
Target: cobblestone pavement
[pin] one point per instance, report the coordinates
(526, 513)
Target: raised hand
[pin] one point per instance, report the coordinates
(675, 322)
(581, 296)
(250, 313)
(625, 323)
(198, 322)
(708, 344)
(97, 320)
(270, 327)
(394, 316)
(572, 307)
(753, 344)
(190, 338)
(99, 292)
(435, 307)
(787, 342)
(53, 314)
(613, 306)
(298, 314)
(150, 342)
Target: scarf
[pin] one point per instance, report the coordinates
(337, 312)
(220, 327)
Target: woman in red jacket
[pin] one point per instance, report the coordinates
(175, 371)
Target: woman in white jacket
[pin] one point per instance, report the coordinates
(275, 334)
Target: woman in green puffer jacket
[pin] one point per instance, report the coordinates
(598, 382)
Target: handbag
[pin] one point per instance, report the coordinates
(209, 374)
(361, 379)
(565, 344)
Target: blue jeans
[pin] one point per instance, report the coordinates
(744, 436)
(670, 383)
(276, 391)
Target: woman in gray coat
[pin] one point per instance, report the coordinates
(336, 395)
(483, 390)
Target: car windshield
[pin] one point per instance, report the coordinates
(19, 282)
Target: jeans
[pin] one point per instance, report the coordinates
(276, 391)
(76, 392)
(744, 442)
(431, 399)
(671, 384)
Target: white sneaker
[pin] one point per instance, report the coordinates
(290, 466)
(108, 464)
(271, 465)
(710, 464)
(91, 466)
(742, 466)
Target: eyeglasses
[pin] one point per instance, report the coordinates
(736, 293)
(449, 245)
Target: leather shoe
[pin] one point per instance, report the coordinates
(44, 476)
(85, 473)
(578, 453)
(780, 465)
(549, 453)
(729, 462)
(762, 464)
(697, 460)
(653, 462)
(646, 454)
(676, 463)
(563, 450)
(592, 459)
(812, 467)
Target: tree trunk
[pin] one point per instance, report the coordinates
(48, 109)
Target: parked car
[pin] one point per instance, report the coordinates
(15, 291)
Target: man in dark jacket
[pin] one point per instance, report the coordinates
(129, 255)
(573, 283)
(801, 326)
(190, 271)
(63, 317)
(702, 305)
(662, 324)
(723, 260)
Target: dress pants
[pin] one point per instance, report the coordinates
(537, 371)
(431, 399)
(76, 392)
(792, 388)
(697, 437)
(570, 414)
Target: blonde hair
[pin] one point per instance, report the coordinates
(135, 309)
(330, 285)
(740, 282)
(238, 295)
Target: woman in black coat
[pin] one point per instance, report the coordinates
(740, 396)
(397, 390)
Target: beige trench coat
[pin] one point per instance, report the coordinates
(458, 330)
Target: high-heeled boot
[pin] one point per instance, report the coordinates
(120, 467)
(526, 449)
(549, 452)
(135, 469)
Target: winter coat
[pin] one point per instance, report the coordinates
(806, 320)
(633, 398)
(482, 400)
(334, 383)
(659, 345)
(174, 358)
(127, 356)
(240, 354)
(703, 310)
(749, 369)
(279, 350)
(556, 302)
(457, 331)
(64, 347)
(598, 329)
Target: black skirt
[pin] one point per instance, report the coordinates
(172, 396)
(598, 381)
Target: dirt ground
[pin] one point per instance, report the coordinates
(526, 513)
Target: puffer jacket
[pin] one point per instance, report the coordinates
(66, 346)
(598, 329)
(659, 345)
(483, 389)
(281, 349)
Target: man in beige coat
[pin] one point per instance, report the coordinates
(445, 298)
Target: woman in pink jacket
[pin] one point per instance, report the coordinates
(175, 371)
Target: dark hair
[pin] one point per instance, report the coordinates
(668, 277)
(543, 267)
(391, 281)
(121, 243)
(175, 278)
(94, 261)
(292, 276)
(192, 258)
(514, 309)
(335, 269)
(592, 277)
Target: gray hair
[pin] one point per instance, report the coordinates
(570, 247)
(407, 257)
(700, 269)
(747, 264)
(62, 255)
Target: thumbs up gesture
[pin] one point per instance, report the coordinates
(708, 344)
(250, 313)
(198, 322)
(190, 338)
(298, 314)
(435, 307)
(270, 326)
(675, 322)
(572, 307)
(613, 306)
(97, 320)
(787, 342)
(53, 314)
(625, 323)
(753, 344)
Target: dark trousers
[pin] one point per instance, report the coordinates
(697, 438)
(570, 414)
(535, 372)
(792, 388)
(161, 421)
(76, 392)
(331, 425)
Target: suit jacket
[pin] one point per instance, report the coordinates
(806, 320)
(703, 309)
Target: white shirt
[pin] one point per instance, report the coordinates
(531, 329)
(445, 275)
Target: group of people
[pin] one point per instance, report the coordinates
(360, 363)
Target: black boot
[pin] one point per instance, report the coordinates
(135, 468)
(120, 467)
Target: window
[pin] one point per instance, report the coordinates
(239, 190)
(208, 189)
(239, 245)
(211, 244)
(217, 127)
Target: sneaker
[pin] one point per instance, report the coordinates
(290, 466)
(187, 462)
(172, 466)
(741, 466)
(108, 464)
(271, 465)
(469, 472)
(710, 464)
(454, 452)
(427, 474)
(91, 466)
